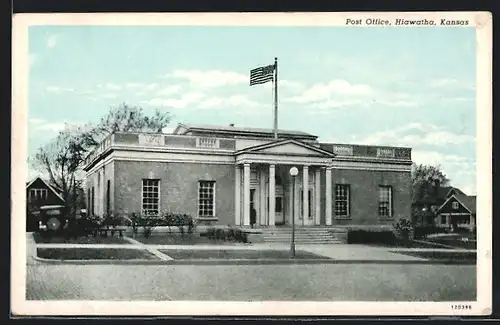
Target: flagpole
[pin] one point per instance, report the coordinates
(276, 98)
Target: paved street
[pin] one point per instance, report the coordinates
(362, 282)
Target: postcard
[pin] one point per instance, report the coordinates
(252, 164)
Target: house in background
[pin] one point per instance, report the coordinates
(39, 193)
(459, 210)
(222, 175)
(444, 206)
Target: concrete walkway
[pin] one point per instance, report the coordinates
(150, 248)
(338, 252)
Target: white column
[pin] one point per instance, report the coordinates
(305, 193)
(246, 194)
(262, 187)
(272, 195)
(317, 196)
(328, 207)
(237, 195)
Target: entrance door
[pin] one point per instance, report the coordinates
(309, 221)
(253, 209)
(279, 214)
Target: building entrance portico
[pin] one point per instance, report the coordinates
(264, 186)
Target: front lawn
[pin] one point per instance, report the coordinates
(81, 240)
(446, 256)
(177, 239)
(409, 244)
(455, 241)
(231, 254)
(94, 254)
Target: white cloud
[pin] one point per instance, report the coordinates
(109, 86)
(451, 83)
(325, 91)
(332, 104)
(182, 102)
(168, 130)
(460, 170)
(290, 84)
(417, 134)
(457, 99)
(398, 103)
(209, 78)
(169, 90)
(57, 89)
(142, 86)
(109, 95)
(52, 41)
(37, 124)
(235, 101)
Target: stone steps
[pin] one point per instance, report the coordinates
(303, 235)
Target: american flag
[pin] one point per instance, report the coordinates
(262, 75)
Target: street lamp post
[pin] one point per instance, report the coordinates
(293, 171)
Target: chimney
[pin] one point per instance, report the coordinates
(231, 125)
(437, 185)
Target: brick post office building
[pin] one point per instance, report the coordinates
(223, 175)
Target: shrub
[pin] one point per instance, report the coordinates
(226, 234)
(240, 236)
(360, 236)
(403, 228)
(179, 220)
(211, 233)
(147, 222)
(113, 219)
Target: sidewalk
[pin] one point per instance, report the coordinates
(337, 252)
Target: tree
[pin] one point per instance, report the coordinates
(127, 118)
(426, 179)
(59, 159)
(62, 157)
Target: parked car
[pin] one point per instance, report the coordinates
(52, 217)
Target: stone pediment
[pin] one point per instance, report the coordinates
(287, 147)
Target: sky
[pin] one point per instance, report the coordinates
(411, 87)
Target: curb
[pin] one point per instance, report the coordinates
(248, 262)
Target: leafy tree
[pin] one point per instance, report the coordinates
(126, 118)
(425, 181)
(59, 159)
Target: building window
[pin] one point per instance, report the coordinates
(385, 201)
(93, 201)
(108, 197)
(443, 220)
(206, 199)
(151, 197)
(342, 198)
(88, 199)
(454, 205)
(38, 194)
